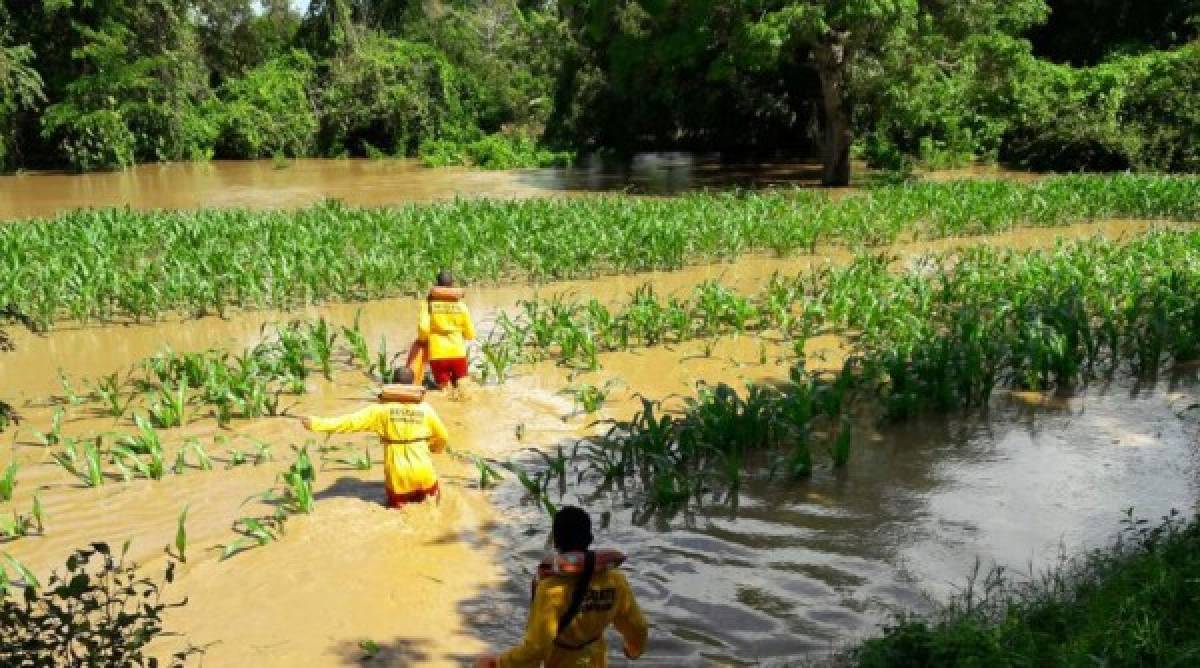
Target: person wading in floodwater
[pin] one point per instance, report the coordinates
(409, 429)
(443, 328)
(577, 594)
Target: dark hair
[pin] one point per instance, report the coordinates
(403, 375)
(572, 529)
(573, 533)
(445, 279)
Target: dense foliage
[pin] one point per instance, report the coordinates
(101, 84)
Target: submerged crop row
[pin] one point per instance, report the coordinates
(939, 338)
(121, 264)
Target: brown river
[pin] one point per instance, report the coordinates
(796, 570)
(263, 184)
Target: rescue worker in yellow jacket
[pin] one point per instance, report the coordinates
(444, 326)
(409, 428)
(578, 593)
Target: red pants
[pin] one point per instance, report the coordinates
(448, 371)
(398, 500)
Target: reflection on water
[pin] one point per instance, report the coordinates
(264, 184)
(802, 568)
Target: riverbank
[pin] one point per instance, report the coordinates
(1133, 603)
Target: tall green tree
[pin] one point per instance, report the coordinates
(20, 90)
(125, 80)
(839, 37)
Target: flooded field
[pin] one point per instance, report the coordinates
(794, 569)
(263, 184)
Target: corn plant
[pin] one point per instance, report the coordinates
(297, 481)
(169, 406)
(589, 398)
(254, 531)
(535, 487)
(384, 364)
(357, 342)
(28, 579)
(110, 391)
(127, 462)
(21, 524)
(72, 397)
(8, 481)
(262, 453)
(44, 259)
(54, 436)
(180, 537)
(201, 459)
(358, 461)
(498, 357)
(321, 341)
(488, 475)
(610, 462)
(235, 458)
(82, 460)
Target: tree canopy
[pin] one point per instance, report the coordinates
(1044, 84)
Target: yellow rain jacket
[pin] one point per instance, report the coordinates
(408, 431)
(609, 601)
(447, 326)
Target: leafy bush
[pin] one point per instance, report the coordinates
(393, 95)
(268, 111)
(1132, 112)
(990, 98)
(100, 612)
(90, 140)
(495, 151)
(1166, 107)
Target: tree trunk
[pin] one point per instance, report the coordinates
(830, 56)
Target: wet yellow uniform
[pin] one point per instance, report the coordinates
(447, 326)
(408, 431)
(609, 601)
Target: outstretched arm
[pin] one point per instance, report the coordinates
(366, 419)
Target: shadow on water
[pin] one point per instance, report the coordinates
(672, 173)
(370, 491)
(799, 568)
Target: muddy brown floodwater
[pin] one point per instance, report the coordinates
(795, 569)
(264, 185)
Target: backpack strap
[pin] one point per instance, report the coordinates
(578, 594)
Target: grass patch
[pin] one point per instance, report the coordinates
(1135, 603)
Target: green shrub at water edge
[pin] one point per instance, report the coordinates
(496, 151)
(1136, 603)
(268, 112)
